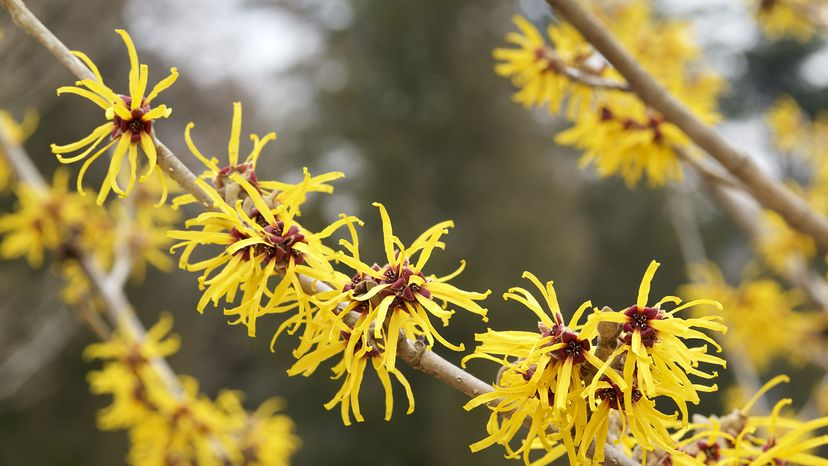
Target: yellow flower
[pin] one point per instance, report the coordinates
(780, 243)
(658, 361)
(77, 290)
(626, 138)
(399, 294)
(622, 136)
(146, 224)
(183, 427)
(129, 123)
(755, 307)
(618, 133)
(742, 438)
(392, 301)
(257, 244)
(536, 69)
(16, 133)
(792, 18)
(267, 438)
(230, 191)
(543, 383)
(331, 339)
(42, 221)
(788, 123)
(127, 375)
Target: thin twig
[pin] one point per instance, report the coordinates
(41, 346)
(710, 170)
(747, 214)
(767, 191)
(558, 65)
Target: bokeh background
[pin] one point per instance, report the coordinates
(401, 96)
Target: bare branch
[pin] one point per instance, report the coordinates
(768, 192)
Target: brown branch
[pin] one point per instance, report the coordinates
(767, 191)
(413, 353)
(747, 214)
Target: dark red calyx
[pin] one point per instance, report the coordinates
(399, 279)
(614, 396)
(710, 451)
(639, 320)
(135, 125)
(574, 347)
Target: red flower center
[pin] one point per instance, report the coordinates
(575, 347)
(639, 321)
(399, 277)
(134, 125)
(614, 396)
(278, 246)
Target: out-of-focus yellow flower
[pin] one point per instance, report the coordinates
(77, 290)
(17, 133)
(541, 380)
(145, 224)
(267, 438)
(780, 243)
(618, 133)
(43, 221)
(130, 119)
(756, 307)
(787, 122)
(800, 19)
(257, 244)
(626, 138)
(535, 68)
(186, 427)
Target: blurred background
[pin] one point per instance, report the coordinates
(401, 96)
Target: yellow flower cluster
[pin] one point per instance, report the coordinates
(255, 225)
(265, 262)
(129, 124)
(392, 301)
(16, 132)
(48, 221)
(63, 222)
(557, 377)
(616, 131)
(799, 19)
(186, 428)
(743, 438)
(754, 307)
